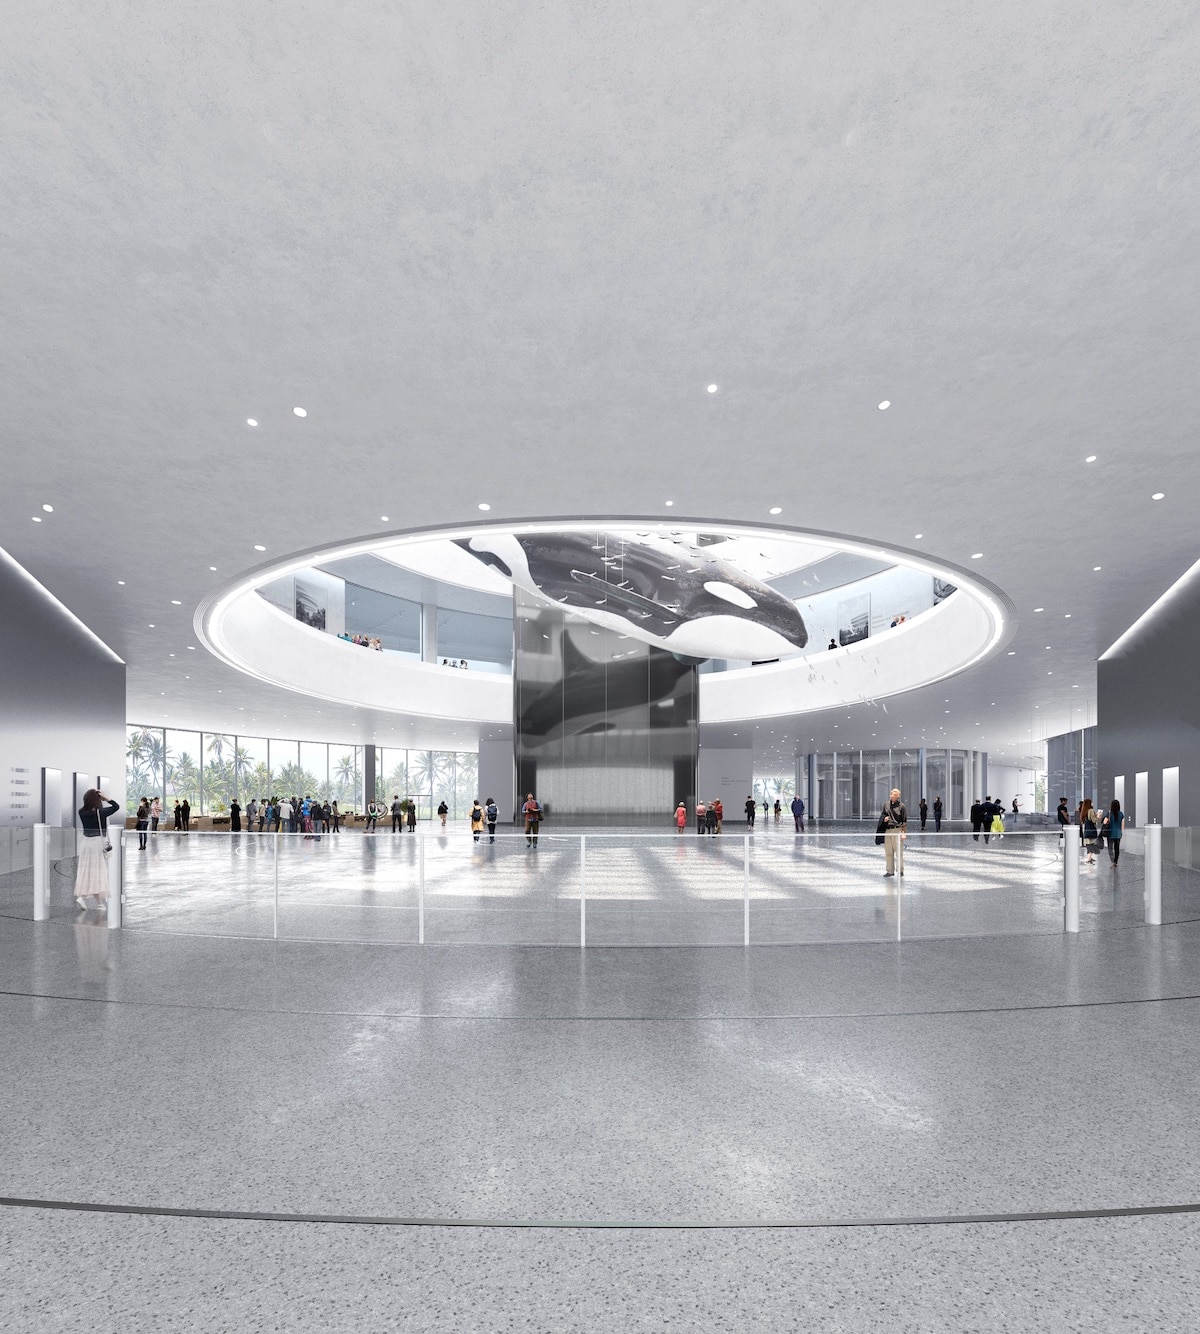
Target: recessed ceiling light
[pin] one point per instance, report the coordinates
(668, 502)
(191, 648)
(251, 422)
(213, 568)
(36, 518)
(484, 506)
(257, 547)
(918, 536)
(383, 518)
(977, 555)
(1158, 495)
(1066, 615)
(1091, 458)
(1039, 608)
(175, 602)
(49, 509)
(151, 625)
(1074, 687)
(299, 412)
(170, 655)
(1096, 567)
(887, 403)
(775, 509)
(121, 582)
(712, 388)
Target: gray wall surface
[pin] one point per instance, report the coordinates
(62, 701)
(1149, 710)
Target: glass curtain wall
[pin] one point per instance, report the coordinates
(855, 785)
(210, 769)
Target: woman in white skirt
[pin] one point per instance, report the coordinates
(91, 875)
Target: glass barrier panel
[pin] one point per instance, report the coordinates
(508, 892)
(348, 886)
(665, 889)
(205, 882)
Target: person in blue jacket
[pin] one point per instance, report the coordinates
(1114, 822)
(798, 812)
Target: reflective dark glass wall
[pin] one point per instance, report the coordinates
(605, 726)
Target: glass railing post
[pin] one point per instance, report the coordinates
(275, 907)
(1153, 895)
(116, 879)
(582, 891)
(1070, 882)
(41, 872)
(745, 889)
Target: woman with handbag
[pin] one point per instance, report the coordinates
(91, 874)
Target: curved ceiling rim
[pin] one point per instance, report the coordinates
(306, 556)
(996, 603)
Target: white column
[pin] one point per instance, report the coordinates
(429, 613)
(116, 878)
(1070, 881)
(41, 872)
(1153, 896)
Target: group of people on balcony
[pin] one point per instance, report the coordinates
(363, 641)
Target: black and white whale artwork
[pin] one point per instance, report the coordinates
(657, 589)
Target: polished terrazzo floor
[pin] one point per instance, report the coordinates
(808, 1085)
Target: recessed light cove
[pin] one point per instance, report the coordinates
(300, 412)
(257, 547)
(49, 509)
(483, 505)
(36, 518)
(977, 555)
(712, 388)
(887, 403)
(251, 422)
(1158, 495)
(175, 602)
(775, 509)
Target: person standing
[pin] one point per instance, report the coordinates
(1087, 829)
(412, 816)
(235, 817)
(1115, 824)
(492, 811)
(798, 812)
(155, 815)
(895, 821)
(777, 809)
(476, 820)
(532, 812)
(374, 810)
(91, 875)
(924, 809)
(710, 818)
(336, 817)
(178, 813)
(185, 812)
(751, 810)
(251, 814)
(937, 815)
(681, 817)
(443, 810)
(1064, 818)
(142, 822)
(397, 814)
(719, 808)
(283, 818)
(976, 818)
(701, 812)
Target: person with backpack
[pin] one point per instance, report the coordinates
(374, 810)
(476, 820)
(443, 810)
(493, 814)
(751, 809)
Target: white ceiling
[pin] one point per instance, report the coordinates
(498, 251)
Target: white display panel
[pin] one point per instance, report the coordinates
(52, 804)
(1141, 799)
(1170, 816)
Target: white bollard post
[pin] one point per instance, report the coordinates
(1070, 882)
(421, 890)
(1154, 874)
(746, 889)
(41, 872)
(116, 878)
(583, 891)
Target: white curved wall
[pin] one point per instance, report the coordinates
(936, 644)
(270, 644)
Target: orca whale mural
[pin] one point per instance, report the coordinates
(658, 590)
